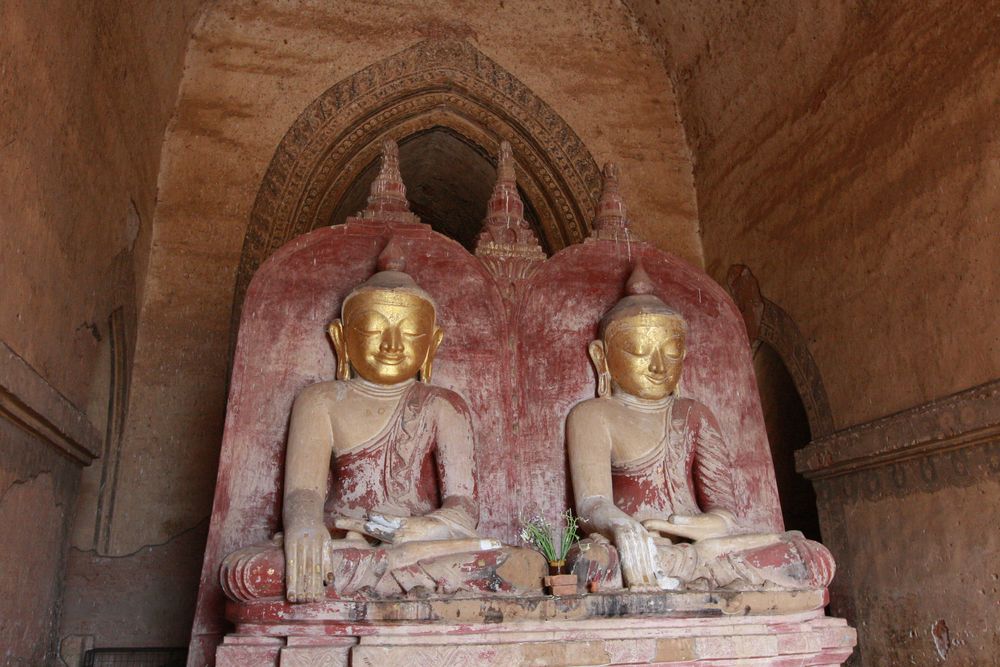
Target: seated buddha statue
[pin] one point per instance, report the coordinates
(380, 490)
(652, 474)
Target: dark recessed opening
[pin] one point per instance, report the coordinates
(448, 182)
(788, 431)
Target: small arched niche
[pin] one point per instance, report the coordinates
(448, 178)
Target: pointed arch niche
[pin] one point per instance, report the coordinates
(436, 95)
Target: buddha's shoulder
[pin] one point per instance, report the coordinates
(441, 397)
(591, 409)
(689, 408)
(329, 391)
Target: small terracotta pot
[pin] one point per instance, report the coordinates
(561, 584)
(557, 567)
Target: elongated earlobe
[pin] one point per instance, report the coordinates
(426, 367)
(336, 331)
(600, 360)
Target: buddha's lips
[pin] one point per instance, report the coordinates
(390, 360)
(657, 379)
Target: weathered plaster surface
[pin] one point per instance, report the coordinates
(847, 153)
(908, 506)
(916, 543)
(37, 490)
(100, 592)
(87, 89)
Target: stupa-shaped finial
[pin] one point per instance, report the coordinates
(505, 206)
(611, 215)
(505, 164)
(387, 198)
(507, 245)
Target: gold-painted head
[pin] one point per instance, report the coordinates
(387, 332)
(642, 344)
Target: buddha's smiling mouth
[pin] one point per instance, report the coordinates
(656, 379)
(390, 359)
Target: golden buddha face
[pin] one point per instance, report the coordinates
(643, 354)
(386, 336)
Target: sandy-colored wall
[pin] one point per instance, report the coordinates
(37, 493)
(909, 505)
(87, 90)
(848, 153)
(927, 589)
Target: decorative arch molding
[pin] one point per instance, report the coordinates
(766, 322)
(433, 84)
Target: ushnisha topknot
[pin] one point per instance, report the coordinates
(390, 277)
(639, 300)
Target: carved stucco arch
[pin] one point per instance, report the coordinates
(766, 322)
(433, 84)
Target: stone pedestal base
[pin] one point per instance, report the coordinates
(780, 629)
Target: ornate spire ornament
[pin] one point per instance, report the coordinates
(507, 245)
(505, 206)
(611, 216)
(387, 197)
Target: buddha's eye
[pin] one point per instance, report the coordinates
(410, 329)
(369, 323)
(674, 349)
(636, 350)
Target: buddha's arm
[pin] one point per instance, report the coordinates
(713, 467)
(456, 466)
(589, 446)
(589, 442)
(307, 462)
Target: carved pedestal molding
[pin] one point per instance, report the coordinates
(718, 628)
(32, 404)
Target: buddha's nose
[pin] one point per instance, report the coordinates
(658, 363)
(392, 341)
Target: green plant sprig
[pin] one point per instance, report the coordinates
(537, 532)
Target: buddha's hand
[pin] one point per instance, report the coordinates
(307, 562)
(640, 564)
(399, 529)
(695, 527)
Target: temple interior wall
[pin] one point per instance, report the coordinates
(38, 491)
(916, 543)
(847, 152)
(87, 90)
